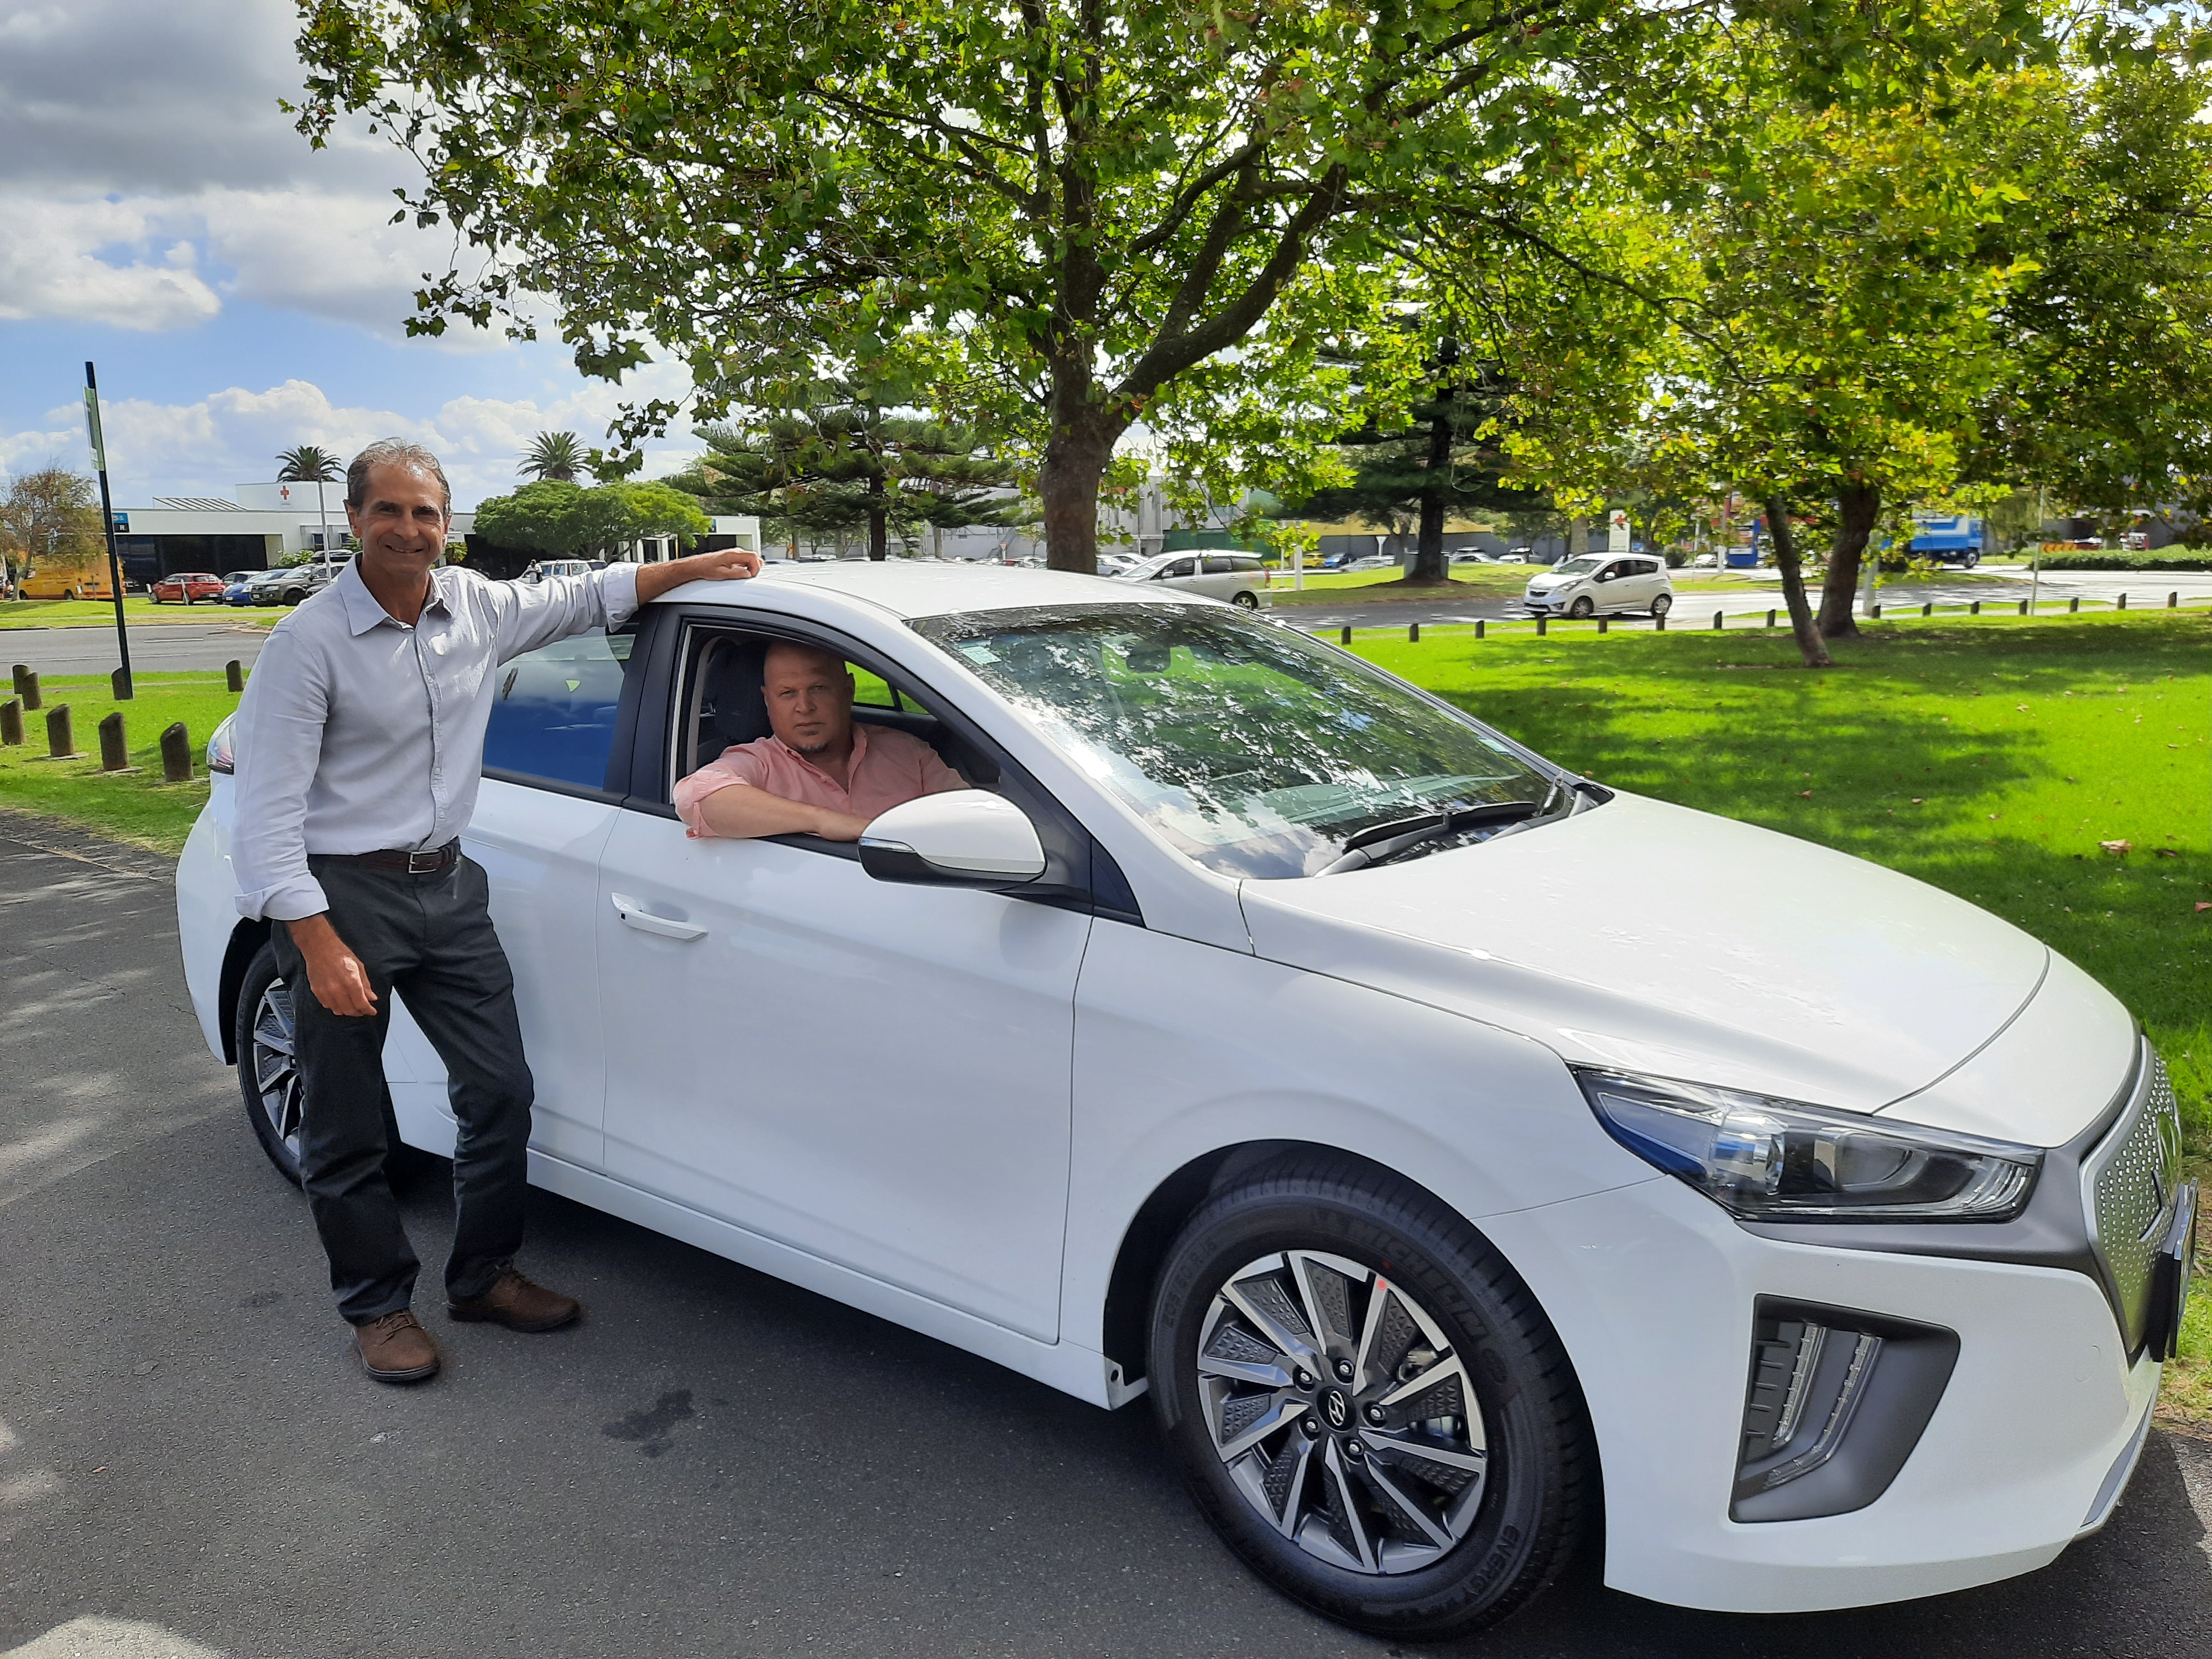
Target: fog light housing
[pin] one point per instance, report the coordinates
(1836, 1400)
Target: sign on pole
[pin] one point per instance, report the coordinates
(121, 679)
(1616, 531)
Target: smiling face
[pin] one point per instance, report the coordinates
(401, 519)
(810, 699)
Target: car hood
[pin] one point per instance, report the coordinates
(1658, 940)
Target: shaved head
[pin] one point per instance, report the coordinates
(809, 693)
(786, 656)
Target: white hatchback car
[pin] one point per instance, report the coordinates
(1265, 1034)
(1593, 583)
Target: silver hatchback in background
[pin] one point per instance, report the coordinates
(1592, 583)
(1239, 578)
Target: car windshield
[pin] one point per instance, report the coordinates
(1252, 748)
(1576, 566)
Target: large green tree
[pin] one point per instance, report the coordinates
(1121, 210)
(555, 518)
(50, 521)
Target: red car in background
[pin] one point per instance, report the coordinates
(187, 586)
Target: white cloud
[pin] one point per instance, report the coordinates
(50, 264)
(233, 436)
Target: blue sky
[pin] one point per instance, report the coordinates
(239, 291)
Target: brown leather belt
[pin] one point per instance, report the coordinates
(430, 861)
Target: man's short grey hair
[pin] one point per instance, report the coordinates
(392, 451)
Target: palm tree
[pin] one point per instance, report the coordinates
(553, 455)
(307, 464)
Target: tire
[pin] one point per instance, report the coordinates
(1497, 1476)
(1583, 609)
(269, 1081)
(1663, 604)
(1246, 600)
(1972, 559)
(292, 595)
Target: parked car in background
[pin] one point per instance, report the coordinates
(1596, 583)
(1473, 556)
(288, 585)
(539, 571)
(1374, 561)
(1264, 1034)
(1239, 578)
(187, 587)
(1117, 564)
(89, 583)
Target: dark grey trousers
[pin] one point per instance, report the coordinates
(430, 938)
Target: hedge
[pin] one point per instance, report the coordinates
(2165, 558)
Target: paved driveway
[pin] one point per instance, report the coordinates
(712, 1463)
(158, 647)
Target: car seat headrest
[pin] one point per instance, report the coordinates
(733, 691)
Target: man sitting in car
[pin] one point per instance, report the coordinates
(817, 773)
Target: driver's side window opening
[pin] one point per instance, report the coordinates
(722, 706)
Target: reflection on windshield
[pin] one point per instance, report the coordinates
(1575, 567)
(1252, 748)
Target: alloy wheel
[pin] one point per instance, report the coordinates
(277, 1066)
(1342, 1413)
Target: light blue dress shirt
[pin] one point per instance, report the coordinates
(359, 733)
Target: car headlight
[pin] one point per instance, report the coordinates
(1765, 1159)
(220, 757)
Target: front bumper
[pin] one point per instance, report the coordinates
(1652, 1290)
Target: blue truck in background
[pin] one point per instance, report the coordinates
(1957, 538)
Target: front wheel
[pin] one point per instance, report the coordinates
(1248, 601)
(1661, 605)
(1366, 1403)
(294, 595)
(1582, 609)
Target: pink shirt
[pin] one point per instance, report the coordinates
(888, 766)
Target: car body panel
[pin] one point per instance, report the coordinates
(1821, 977)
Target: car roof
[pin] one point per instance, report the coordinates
(926, 588)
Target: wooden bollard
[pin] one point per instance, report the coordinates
(61, 735)
(2172, 600)
(1541, 623)
(1720, 618)
(1659, 622)
(234, 676)
(119, 685)
(1928, 609)
(1478, 628)
(2123, 605)
(1975, 609)
(176, 754)
(1412, 632)
(1347, 635)
(1874, 612)
(1770, 619)
(2023, 607)
(1600, 624)
(11, 721)
(114, 746)
(2073, 605)
(27, 687)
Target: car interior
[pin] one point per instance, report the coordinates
(723, 707)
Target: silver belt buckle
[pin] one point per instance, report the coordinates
(424, 864)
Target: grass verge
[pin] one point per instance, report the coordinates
(137, 608)
(133, 806)
(1989, 756)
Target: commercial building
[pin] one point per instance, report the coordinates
(257, 529)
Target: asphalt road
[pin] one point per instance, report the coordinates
(712, 1463)
(155, 647)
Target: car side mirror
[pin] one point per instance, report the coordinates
(962, 838)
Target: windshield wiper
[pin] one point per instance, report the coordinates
(1381, 842)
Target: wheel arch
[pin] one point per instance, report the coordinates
(1151, 1231)
(245, 941)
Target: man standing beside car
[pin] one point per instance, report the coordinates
(359, 744)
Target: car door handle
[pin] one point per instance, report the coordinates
(634, 914)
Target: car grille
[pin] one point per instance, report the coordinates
(2131, 1180)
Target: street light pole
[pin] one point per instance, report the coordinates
(121, 679)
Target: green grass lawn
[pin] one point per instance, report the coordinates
(1334, 586)
(1990, 757)
(137, 608)
(134, 806)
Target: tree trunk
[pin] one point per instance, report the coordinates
(1858, 506)
(1429, 564)
(878, 520)
(1793, 585)
(1074, 461)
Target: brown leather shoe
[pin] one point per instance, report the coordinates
(396, 1348)
(519, 1305)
